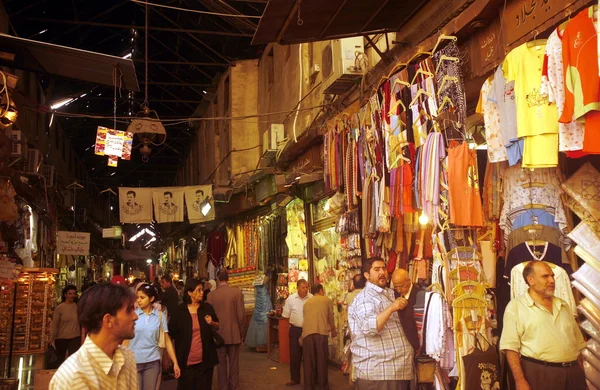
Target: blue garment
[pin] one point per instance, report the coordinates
(514, 152)
(257, 334)
(525, 218)
(145, 343)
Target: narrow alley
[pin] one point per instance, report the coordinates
(258, 371)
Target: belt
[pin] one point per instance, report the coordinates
(294, 326)
(550, 364)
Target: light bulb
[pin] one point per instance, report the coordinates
(423, 219)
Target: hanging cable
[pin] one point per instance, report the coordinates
(197, 11)
(299, 91)
(146, 33)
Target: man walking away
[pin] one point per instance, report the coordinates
(228, 303)
(318, 322)
(294, 310)
(540, 336)
(169, 297)
(107, 312)
(381, 353)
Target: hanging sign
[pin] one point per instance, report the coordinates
(113, 143)
(72, 243)
(135, 205)
(200, 203)
(523, 17)
(113, 232)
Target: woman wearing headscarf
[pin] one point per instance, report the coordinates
(145, 343)
(190, 327)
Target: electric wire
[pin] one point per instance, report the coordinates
(197, 11)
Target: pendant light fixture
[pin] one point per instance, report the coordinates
(147, 125)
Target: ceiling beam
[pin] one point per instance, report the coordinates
(183, 84)
(335, 14)
(377, 11)
(138, 27)
(288, 20)
(193, 63)
(195, 38)
(141, 99)
(178, 56)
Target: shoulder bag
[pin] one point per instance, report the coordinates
(161, 331)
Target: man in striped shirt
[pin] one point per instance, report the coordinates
(381, 353)
(107, 312)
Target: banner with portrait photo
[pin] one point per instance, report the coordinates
(168, 204)
(200, 203)
(135, 205)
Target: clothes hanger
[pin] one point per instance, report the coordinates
(531, 206)
(445, 80)
(423, 72)
(418, 54)
(537, 43)
(442, 38)
(418, 95)
(487, 234)
(443, 58)
(445, 101)
(564, 24)
(392, 111)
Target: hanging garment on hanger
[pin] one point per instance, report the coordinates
(482, 369)
(502, 93)
(437, 330)
(463, 181)
(453, 90)
(580, 60)
(548, 233)
(571, 134)
(496, 150)
(547, 252)
(562, 288)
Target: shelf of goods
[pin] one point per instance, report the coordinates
(33, 314)
(242, 277)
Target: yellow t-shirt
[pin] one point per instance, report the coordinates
(535, 114)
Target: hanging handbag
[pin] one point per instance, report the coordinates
(161, 331)
(217, 338)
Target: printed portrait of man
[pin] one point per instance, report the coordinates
(200, 199)
(131, 207)
(168, 207)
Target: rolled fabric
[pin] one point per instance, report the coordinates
(589, 315)
(594, 347)
(589, 328)
(589, 278)
(587, 293)
(588, 356)
(591, 374)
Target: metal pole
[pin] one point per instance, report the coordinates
(12, 330)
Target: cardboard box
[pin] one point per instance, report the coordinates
(42, 379)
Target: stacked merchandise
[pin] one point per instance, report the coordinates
(242, 277)
(243, 244)
(297, 264)
(249, 298)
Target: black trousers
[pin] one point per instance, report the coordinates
(295, 353)
(553, 378)
(316, 361)
(195, 377)
(66, 345)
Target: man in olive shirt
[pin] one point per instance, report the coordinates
(540, 337)
(318, 322)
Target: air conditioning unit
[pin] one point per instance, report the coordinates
(34, 160)
(272, 139)
(19, 144)
(48, 172)
(342, 65)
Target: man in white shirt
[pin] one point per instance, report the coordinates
(107, 312)
(294, 310)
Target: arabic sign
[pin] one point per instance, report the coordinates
(113, 232)
(523, 17)
(113, 143)
(72, 243)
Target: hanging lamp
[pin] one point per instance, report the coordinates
(147, 125)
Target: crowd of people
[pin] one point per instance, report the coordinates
(116, 336)
(125, 334)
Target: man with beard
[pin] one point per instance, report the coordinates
(382, 355)
(107, 312)
(540, 337)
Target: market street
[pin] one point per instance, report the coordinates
(258, 371)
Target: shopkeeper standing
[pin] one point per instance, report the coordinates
(540, 337)
(294, 311)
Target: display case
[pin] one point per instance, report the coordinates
(279, 339)
(33, 312)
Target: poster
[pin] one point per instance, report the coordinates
(196, 198)
(168, 204)
(135, 205)
(72, 243)
(113, 143)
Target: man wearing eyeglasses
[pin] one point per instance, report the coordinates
(403, 287)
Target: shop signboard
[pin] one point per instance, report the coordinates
(524, 17)
(113, 143)
(113, 232)
(72, 243)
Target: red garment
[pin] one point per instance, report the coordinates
(217, 247)
(195, 355)
(391, 265)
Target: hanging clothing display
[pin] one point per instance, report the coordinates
(463, 182)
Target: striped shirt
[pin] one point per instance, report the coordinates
(91, 368)
(378, 356)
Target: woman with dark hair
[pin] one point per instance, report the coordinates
(190, 326)
(145, 343)
(65, 333)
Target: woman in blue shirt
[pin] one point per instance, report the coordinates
(145, 343)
